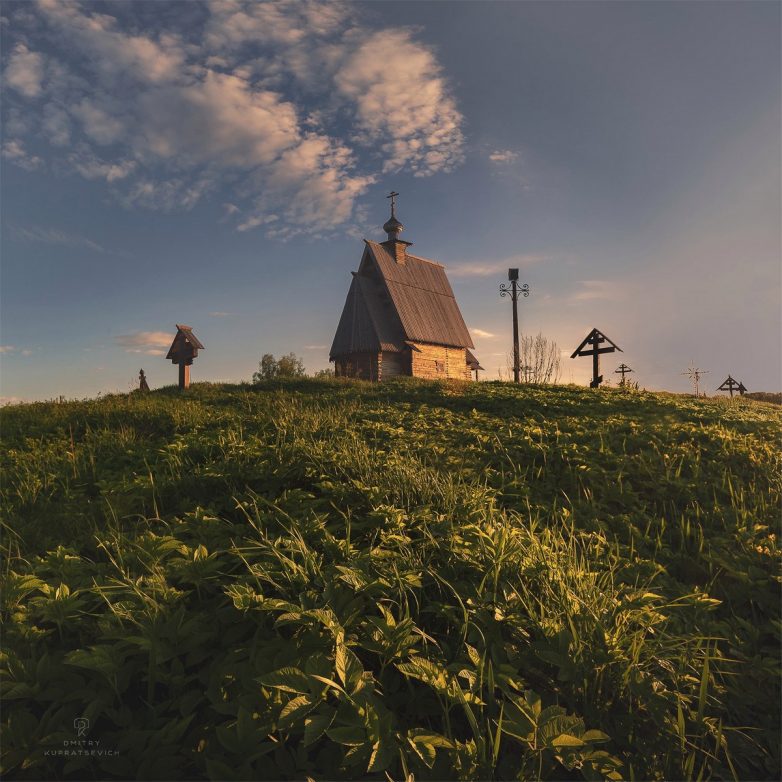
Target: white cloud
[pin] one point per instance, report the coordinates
(503, 156)
(24, 71)
(7, 348)
(56, 125)
(34, 233)
(481, 334)
(500, 268)
(255, 98)
(316, 347)
(592, 290)
(402, 102)
(14, 150)
(116, 55)
(151, 343)
(92, 167)
(98, 123)
(167, 196)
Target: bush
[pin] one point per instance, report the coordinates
(270, 368)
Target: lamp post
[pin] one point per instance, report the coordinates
(514, 289)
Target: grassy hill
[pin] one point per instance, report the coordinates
(341, 580)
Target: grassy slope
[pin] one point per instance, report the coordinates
(483, 574)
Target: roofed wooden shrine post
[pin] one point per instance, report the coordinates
(595, 338)
(183, 350)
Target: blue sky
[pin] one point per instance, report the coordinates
(218, 164)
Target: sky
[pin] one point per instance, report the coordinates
(218, 164)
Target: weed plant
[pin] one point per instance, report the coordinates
(410, 580)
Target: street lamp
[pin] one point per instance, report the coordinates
(514, 289)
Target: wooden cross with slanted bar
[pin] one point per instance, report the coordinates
(183, 350)
(732, 385)
(623, 370)
(595, 338)
(392, 195)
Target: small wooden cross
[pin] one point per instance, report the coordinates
(623, 370)
(392, 195)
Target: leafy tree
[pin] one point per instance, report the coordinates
(271, 368)
(290, 366)
(325, 372)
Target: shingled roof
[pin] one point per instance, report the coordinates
(391, 303)
(184, 333)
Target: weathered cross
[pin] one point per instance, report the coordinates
(623, 370)
(142, 381)
(732, 385)
(695, 374)
(595, 338)
(392, 195)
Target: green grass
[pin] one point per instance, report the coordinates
(340, 580)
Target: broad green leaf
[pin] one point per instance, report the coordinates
(595, 737)
(349, 668)
(566, 740)
(288, 679)
(316, 725)
(294, 710)
(350, 735)
(382, 755)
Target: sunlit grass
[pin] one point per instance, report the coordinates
(343, 580)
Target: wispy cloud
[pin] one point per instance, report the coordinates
(53, 236)
(151, 343)
(14, 150)
(592, 290)
(503, 156)
(481, 268)
(9, 349)
(254, 95)
(24, 71)
(316, 347)
(481, 334)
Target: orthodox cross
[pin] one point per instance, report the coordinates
(142, 381)
(514, 289)
(695, 374)
(731, 385)
(594, 339)
(623, 370)
(183, 350)
(392, 195)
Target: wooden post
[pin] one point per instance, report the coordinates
(183, 350)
